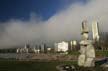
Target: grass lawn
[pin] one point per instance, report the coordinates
(14, 65)
(102, 53)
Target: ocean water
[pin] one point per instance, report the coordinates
(15, 55)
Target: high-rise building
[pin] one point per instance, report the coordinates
(62, 46)
(73, 44)
(95, 30)
(43, 48)
(56, 47)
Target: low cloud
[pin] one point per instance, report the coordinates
(65, 25)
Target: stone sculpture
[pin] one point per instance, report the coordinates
(87, 51)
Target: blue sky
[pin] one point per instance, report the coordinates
(60, 20)
(21, 9)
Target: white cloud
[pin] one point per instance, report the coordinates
(65, 25)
